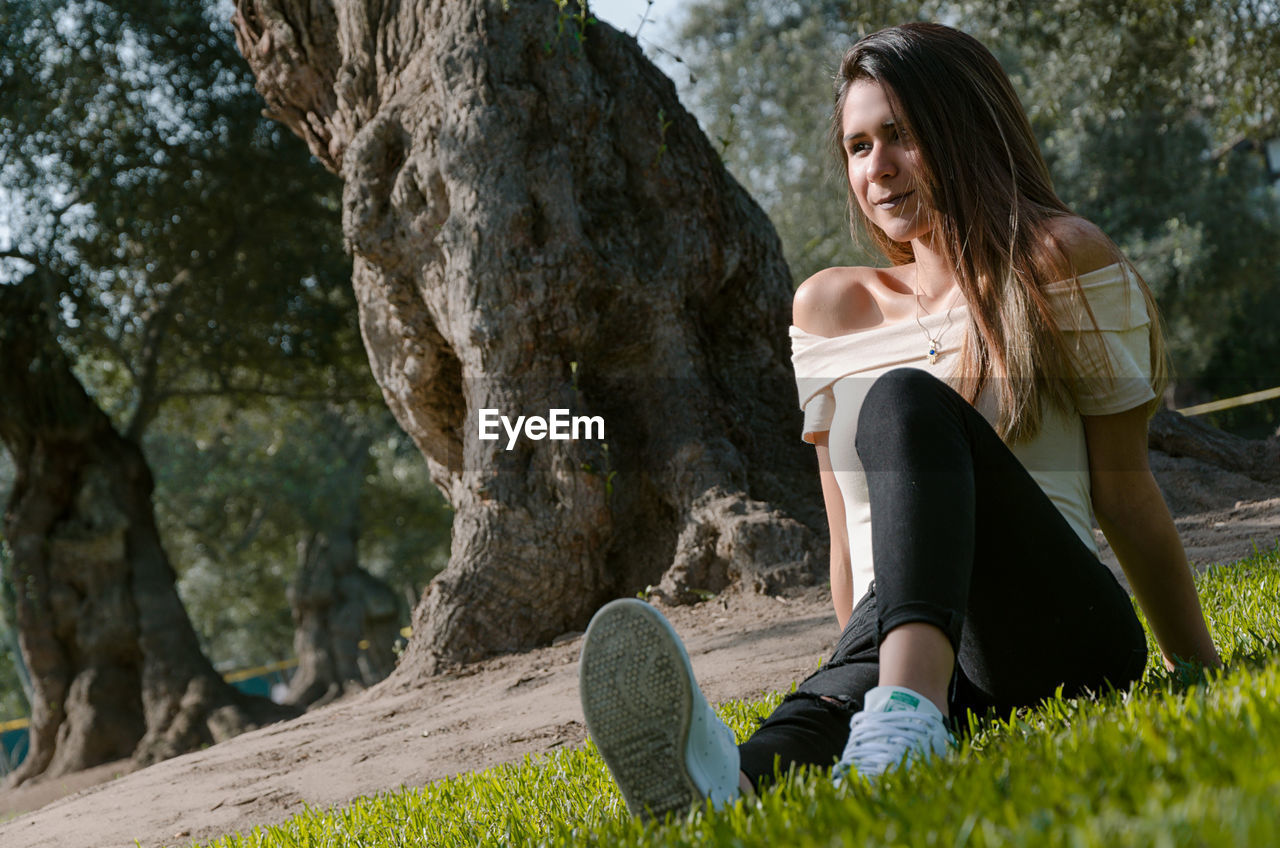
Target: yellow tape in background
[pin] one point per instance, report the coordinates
(1231, 403)
(245, 674)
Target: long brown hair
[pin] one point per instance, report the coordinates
(993, 199)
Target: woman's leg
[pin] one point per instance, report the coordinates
(966, 542)
(967, 546)
(810, 726)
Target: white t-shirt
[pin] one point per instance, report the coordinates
(833, 375)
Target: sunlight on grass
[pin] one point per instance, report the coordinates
(1176, 762)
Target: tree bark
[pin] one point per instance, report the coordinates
(344, 619)
(115, 665)
(536, 223)
(1178, 435)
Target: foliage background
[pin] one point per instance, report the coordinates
(191, 252)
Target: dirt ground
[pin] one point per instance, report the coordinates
(742, 645)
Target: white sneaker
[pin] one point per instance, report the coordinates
(662, 742)
(896, 726)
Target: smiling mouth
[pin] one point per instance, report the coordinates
(894, 200)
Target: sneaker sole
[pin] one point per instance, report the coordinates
(638, 701)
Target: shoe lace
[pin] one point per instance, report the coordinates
(880, 740)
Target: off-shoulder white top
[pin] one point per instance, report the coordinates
(833, 375)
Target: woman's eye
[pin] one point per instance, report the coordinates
(858, 147)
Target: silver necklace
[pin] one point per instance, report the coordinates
(935, 342)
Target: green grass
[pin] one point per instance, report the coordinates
(1180, 761)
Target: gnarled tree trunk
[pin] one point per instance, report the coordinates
(1178, 435)
(345, 619)
(537, 223)
(115, 665)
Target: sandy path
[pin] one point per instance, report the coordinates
(496, 712)
(500, 710)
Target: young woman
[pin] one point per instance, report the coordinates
(975, 406)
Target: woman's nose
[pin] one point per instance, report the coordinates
(880, 164)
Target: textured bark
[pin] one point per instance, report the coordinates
(1178, 435)
(537, 223)
(345, 619)
(337, 608)
(115, 665)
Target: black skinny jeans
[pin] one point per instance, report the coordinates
(963, 538)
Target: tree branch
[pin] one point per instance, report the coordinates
(155, 325)
(146, 376)
(250, 532)
(229, 389)
(1178, 435)
(13, 253)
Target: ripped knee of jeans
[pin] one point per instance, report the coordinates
(841, 705)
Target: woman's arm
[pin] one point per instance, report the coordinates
(1137, 523)
(841, 572)
(824, 304)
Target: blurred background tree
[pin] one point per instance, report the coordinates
(244, 489)
(14, 697)
(183, 256)
(1151, 115)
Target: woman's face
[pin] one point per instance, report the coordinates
(882, 163)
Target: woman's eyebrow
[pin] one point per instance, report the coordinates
(887, 125)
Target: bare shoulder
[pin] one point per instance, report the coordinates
(1084, 245)
(835, 301)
